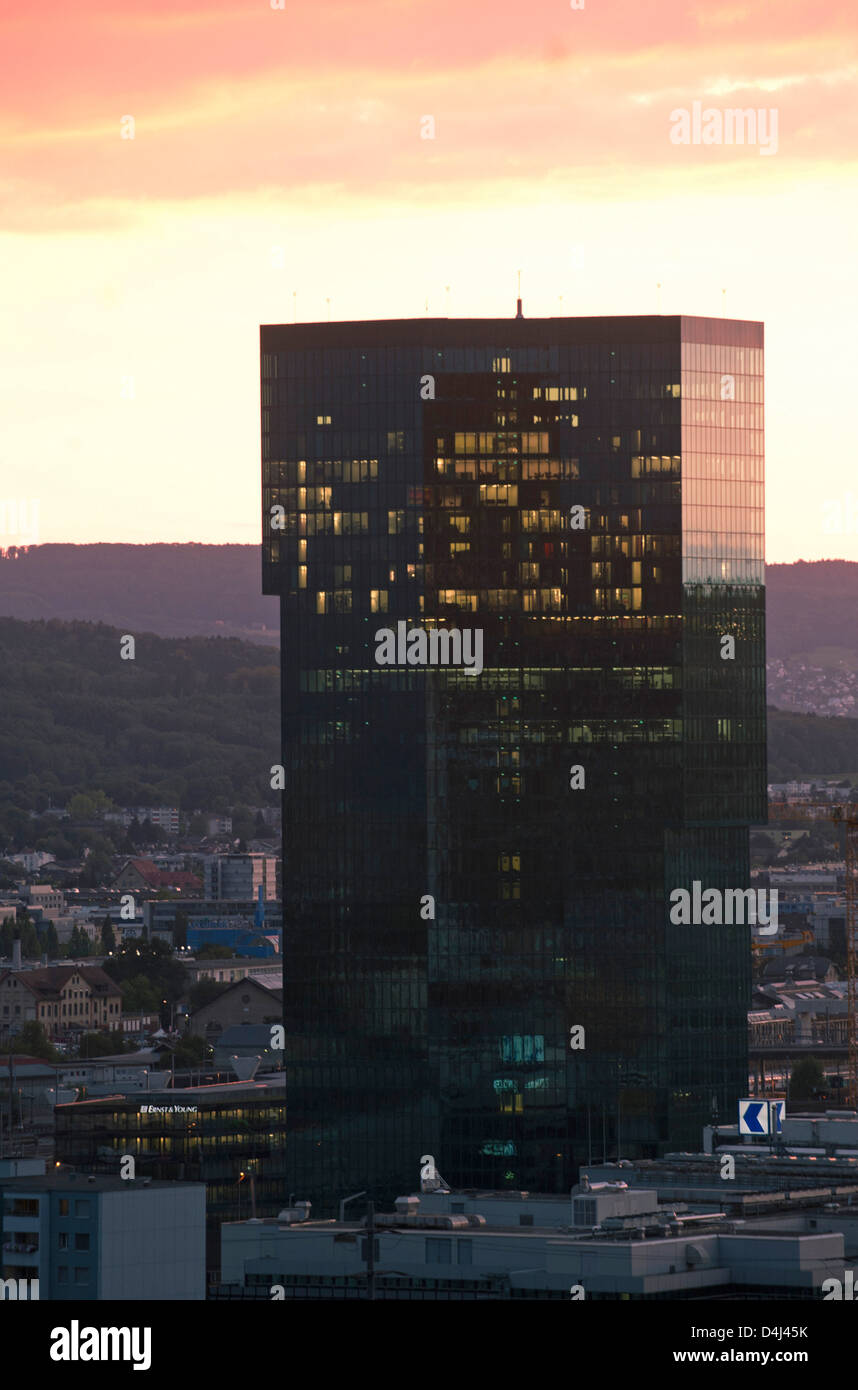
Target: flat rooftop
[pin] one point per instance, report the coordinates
(185, 1095)
(511, 332)
(90, 1182)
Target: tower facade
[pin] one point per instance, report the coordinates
(508, 555)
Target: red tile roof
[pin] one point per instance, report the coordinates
(155, 878)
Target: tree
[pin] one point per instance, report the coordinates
(210, 951)
(108, 936)
(33, 1041)
(99, 1045)
(153, 960)
(30, 946)
(806, 1079)
(78, 944)
(82, 807)
(139, 996)
(151, 834)
(52, 944)
(242, 822)
(204, 992)
(190, 1051)
(180, 929)
(7, 937)
(97, 871)
(9, 874)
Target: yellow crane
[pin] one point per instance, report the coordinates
(847, 817)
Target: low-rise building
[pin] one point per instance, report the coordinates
(607, 1241)
(244, 1002)
(143, 875)
(32, 860)
(159, 915)
(60, 997)
(267, 972)
(43, 895)
(87, 1237)
(229, 1136)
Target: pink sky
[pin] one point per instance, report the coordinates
(280, 150)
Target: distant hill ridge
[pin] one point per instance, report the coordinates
(182, 590)
(192, 590)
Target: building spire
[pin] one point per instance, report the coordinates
(518, 313)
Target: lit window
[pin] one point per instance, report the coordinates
(323, 419)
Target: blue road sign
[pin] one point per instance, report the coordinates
(753, 1117)
(778, 1111)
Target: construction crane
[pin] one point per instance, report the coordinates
(846, 816)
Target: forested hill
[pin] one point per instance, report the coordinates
(195, 722)
(211, 590)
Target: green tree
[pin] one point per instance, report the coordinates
(78, 943)
(97, 870)
(242, 822)
(81, 808)
(180, 929)
(99, 1045)
(807, 1077)
(204, 991)
(108, 936)
(210, 951)
(191, 1051)
(155, 961)
(139, 996)
(33, 1040)
(52, 944)
(9, 874)
(7, 936)
(30, 945)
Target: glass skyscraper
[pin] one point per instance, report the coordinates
(479, 961)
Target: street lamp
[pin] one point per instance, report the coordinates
(343, 1203)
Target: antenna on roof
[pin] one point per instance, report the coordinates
(518, 313)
